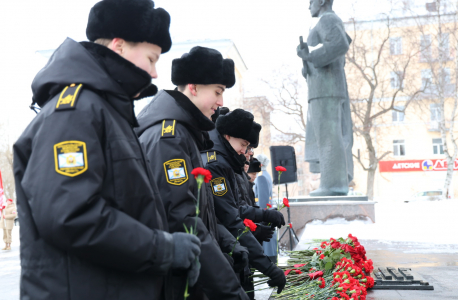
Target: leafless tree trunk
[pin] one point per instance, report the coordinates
(441, 25)
(372, 93)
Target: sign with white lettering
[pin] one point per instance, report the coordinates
(415, 165)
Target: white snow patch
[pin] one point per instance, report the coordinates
(423, 222)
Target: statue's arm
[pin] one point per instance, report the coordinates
(335, 43)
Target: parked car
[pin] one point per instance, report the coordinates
(430, 195)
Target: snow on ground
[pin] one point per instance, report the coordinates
(431, 222)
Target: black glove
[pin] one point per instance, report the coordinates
(274, 217)
(186, 253)
(277, 278)
(229, 259)
(240, 256)
(263, 233)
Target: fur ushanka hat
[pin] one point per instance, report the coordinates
(239, 123)
(255, 166)
(135, 21)
(203, 66)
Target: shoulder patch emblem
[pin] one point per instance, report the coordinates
(211, 156)
(70, 158)
(219, 187)
(175, 171)
(168, 129)
(68, 97)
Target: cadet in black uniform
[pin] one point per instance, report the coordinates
(234, 132)
(92, 222)
(173, 129)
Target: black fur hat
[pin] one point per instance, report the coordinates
(220, 111)
(133, 20)
(203, 66)
(255, 166)
(239, 123)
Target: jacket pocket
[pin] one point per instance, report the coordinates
(130, 179)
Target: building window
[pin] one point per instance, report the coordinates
(426, 79)
(425, 48)
(438, 147)
(395, 45)
(397, 115)
(435, 112)
(445, 76)
(444, 46)
(396, 79)
(399, 148)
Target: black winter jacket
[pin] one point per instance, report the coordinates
(224, 167)
(173, 132)
(92, 222)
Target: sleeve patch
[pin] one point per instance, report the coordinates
(168, 129)
(175, 171)
(68, 97)
(70, 158)
(211, 156)
(219, 187)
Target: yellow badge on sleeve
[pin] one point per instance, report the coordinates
(219, 187)
(175, 171)
(70, 158)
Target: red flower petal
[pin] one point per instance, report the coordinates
(250, 224)
(285, 202)
(269, 205)
(202, 172)
(280, 169)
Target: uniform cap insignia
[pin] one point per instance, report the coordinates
(175, 171)
(70, 158)
(219, 187)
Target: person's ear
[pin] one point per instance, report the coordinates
(193, 89)
(227, 137)
(117, 45)
(323, 2)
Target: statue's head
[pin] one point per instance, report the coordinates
(319, 5)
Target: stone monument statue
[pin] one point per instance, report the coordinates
(329, 134)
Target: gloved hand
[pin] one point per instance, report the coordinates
(274, 217)
(240, 256)
(277, 278)
(186, 252)
(263, 233)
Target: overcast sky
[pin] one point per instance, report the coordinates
(265, 32)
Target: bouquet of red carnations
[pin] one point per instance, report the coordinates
(338, 270)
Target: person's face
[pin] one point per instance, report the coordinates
(143, 55)
(238, 144)
(253, 176)
(207, 97)
(315, 6)
(246, 167)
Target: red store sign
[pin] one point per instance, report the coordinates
(415, 165)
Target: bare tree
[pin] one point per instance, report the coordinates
(6, 166)
(288, 99)
(378, 77)
(439, 30)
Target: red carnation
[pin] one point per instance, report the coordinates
(285, 202)
(290, 225)
(269, 205)
(316, 274)
(250, 224)
(280, 169)
(322, 256)
(202, 172)
(323, 282)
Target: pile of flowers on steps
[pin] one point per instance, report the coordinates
(337, 270)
